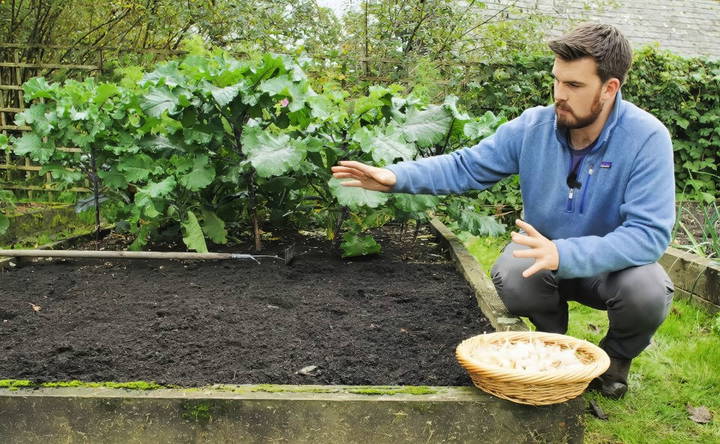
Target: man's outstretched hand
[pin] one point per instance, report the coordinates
(364, 176)
(542, 249)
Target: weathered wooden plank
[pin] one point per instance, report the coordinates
(694, 274)
(15, 127)
(19, 167)
(44, 188)
(47, 66)
(138, 50)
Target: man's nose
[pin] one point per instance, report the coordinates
(559, 94)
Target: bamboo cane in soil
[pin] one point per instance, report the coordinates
(287, 258)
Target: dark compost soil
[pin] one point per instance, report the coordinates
(391, 319)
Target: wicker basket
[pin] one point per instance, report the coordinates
(533, 387)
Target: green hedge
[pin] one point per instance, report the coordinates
(684, 93)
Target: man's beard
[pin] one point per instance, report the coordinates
(574, 121)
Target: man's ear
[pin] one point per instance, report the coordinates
(612, 85)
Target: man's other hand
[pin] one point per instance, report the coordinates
(364, 176)
(542, 249)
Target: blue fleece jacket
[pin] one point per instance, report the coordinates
(621, 216)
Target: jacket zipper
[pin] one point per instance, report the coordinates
(570, 205)
(587, 186)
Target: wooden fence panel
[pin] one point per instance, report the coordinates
(19, 63)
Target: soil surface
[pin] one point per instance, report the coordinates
(392, 319)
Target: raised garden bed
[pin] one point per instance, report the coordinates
(385, 326)
(696, 278)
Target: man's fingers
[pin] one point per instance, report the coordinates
(346, 175)
(529, 253)
(370, 177)
(351, 183)
(353, 164)
(526, 227)
(534, 268)
(344, 169)
(525, 240)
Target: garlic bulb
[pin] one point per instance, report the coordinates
(531, 356)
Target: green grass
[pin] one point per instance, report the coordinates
(681, 366)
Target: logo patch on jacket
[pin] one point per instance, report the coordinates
(605, 164)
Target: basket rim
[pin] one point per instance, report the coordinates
(585, 374)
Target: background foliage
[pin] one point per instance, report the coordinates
(208, 140)
(491, 59)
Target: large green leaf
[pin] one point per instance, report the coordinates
(450, 104)
(282, 86)
(483, 126)
(61, 174)
(355, 245)
(275, 86)
(113, 179)
(159, 100)
(225, 95)
(427, 127)
(197, 135)
(323, 108)
(161, 143)
(270, 155)
(145, 197)
(35, 117)
(80, 115)
(166, 74)
(271, 63)
(364, 104)
(31, 145)
(356, 197)
(137, 167)
(104, 91)
(214, 227)
(37, 88)
(415, 203)
(479, 224)
(192, 233)
(200, 176)
(386, 146)
(159, 189)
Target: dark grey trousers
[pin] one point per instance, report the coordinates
(637, 300)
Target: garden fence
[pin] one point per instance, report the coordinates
(19, 63)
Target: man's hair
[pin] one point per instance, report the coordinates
(604, 43)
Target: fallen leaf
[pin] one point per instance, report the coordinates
(700, 415)
(310, 370)
(35, 308)
(597, 411)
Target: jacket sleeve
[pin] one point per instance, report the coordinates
(648, 214)
(477, 167)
